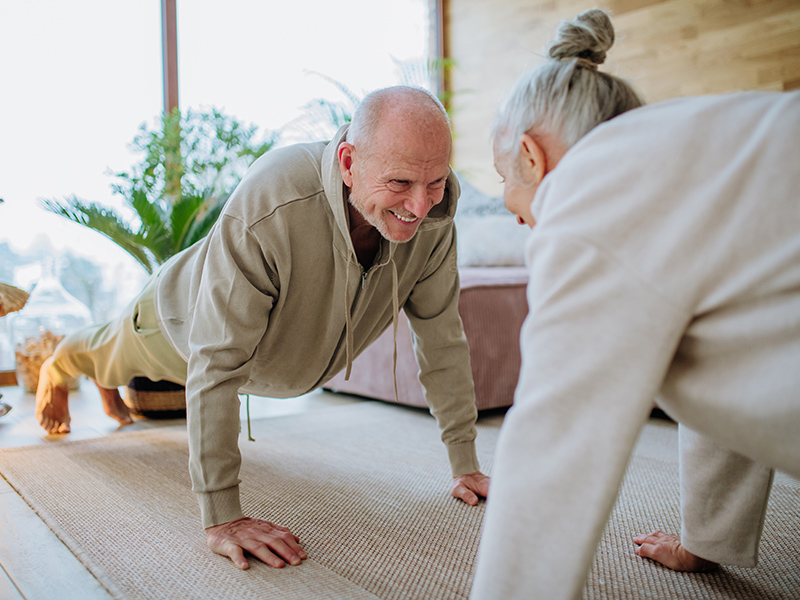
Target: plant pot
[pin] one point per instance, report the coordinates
(156, 399)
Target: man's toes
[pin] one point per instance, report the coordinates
(56, 427)
(124, 420)
(120, 414)
(51, 425)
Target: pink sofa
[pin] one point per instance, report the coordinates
(493, 306)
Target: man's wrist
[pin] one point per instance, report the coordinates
(463, 458)
(220, 506)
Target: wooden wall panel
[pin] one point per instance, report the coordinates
(666, 48)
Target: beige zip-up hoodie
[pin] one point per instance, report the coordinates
(274, 303)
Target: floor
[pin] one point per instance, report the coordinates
(34, 564)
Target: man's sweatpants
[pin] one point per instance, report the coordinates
(114, 352)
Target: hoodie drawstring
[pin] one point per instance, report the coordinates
(395, 318)
(348, 333)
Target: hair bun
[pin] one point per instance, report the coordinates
(589, 35)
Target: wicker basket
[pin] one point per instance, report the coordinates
(156, 399)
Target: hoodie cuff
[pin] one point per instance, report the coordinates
(463, 458)
(219, 507)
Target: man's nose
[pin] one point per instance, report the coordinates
(421, 201)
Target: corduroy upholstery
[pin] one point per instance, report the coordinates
(493, 306)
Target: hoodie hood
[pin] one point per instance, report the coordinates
(336, 192)
(335, 189)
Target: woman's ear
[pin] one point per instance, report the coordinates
(533, 160)
(346, 163)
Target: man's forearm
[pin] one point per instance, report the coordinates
(214, 458)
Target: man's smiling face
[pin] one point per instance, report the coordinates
(398, 178)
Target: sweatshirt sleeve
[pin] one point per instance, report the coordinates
(595, 347)
(232, 312)
(443, 356)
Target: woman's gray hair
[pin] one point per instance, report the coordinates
(566, 96)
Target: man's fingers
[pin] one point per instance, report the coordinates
(285, 544)
(294, 544)
(293, 536)
(236, 555)
(470, 487)
(287, 548)
(464, 493)
(274, 553)
(263, 553)
(270, 543)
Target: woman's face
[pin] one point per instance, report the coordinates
(517, 196)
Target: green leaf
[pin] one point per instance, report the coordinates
(189, 164)
(104, 221)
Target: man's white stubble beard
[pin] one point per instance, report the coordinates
(378, 223)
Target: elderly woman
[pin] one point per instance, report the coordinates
(664, 262)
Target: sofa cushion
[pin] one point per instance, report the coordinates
(488, 235)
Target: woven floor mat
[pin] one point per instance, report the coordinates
(365, 487)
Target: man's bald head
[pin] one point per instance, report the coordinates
(395, 160)
(395, 110)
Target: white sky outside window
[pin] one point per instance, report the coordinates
(78, 78)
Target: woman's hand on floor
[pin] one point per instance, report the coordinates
(273, 544)
(666, 548)
(470, 487)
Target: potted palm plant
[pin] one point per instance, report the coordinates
(190, 164)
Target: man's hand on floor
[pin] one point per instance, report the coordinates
(470, 486)
(270, 543)
(666, 548)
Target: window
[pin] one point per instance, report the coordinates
(80, 78)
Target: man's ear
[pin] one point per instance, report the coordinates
(346, 163)
(533, 160)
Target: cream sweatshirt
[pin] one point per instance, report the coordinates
(665, 259)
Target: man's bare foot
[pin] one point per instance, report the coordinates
(666, 548)
(52, 403)
(114, 406)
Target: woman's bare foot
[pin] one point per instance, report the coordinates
(114, 406)
(52, 403)
(666, 548)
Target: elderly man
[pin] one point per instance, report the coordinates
(314, 255)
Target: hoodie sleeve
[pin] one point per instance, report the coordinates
(443, 355)
(235, 299)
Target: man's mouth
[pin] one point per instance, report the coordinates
(409, 218)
